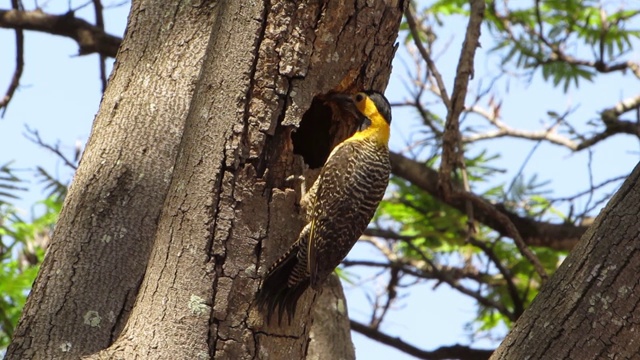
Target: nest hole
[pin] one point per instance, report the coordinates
(323, 126)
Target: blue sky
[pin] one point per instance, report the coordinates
(60, 95)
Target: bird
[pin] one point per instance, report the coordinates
(342, 202)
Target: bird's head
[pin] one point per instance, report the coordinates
(365, 104)
(371, 108)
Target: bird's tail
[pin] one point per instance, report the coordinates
(277, 291)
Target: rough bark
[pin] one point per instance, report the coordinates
(194, 135)
(91, 274)
(330, 337)
(589, 308)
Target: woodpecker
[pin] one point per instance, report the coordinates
(342, 202)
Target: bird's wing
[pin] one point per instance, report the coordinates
(333, 184)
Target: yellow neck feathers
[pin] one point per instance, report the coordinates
(379, 128)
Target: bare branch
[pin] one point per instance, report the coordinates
(591, 189)
(36, 139)
(17, 72)
(452, 153)
(411, 21)
(449, 352)
(390, 255)
(503, 129)
(451, 145)
(97, 7)
(90, 38)
(419, 271)
(609, 116)
(510, 230)
(387, 234)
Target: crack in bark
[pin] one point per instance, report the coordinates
(215, 210)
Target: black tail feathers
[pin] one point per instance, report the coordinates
(276, 293)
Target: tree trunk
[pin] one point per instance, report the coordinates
(588, 310)
(181, 198)
(90, 277)
(331, 339)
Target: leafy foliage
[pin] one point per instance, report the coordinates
(568, 41)
(9, 184)
(22, 247)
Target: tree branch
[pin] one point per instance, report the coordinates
(98, 10)
(90, 38)
(17, 73)
(413, 27)
(518, 303)
(609, 116)
(419, 271)
(534, 233)
(476, 295)
(451, 144)
(34, 136)
(447, 352)
(387, 234)
(502, 129)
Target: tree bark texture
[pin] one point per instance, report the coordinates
(89, 279)
(331, 339)
(181, 200)
(589, 308)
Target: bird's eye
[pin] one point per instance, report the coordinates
(359, 97)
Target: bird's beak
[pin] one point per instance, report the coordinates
(344, 102)
(340, 97)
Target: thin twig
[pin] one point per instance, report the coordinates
(17, 72)
(36, 139)
(457, 286)
(518, 305)
(413, 27)
(97, 6)
(511, 231)
(591, 189)
(521, 169)
(451, 144)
